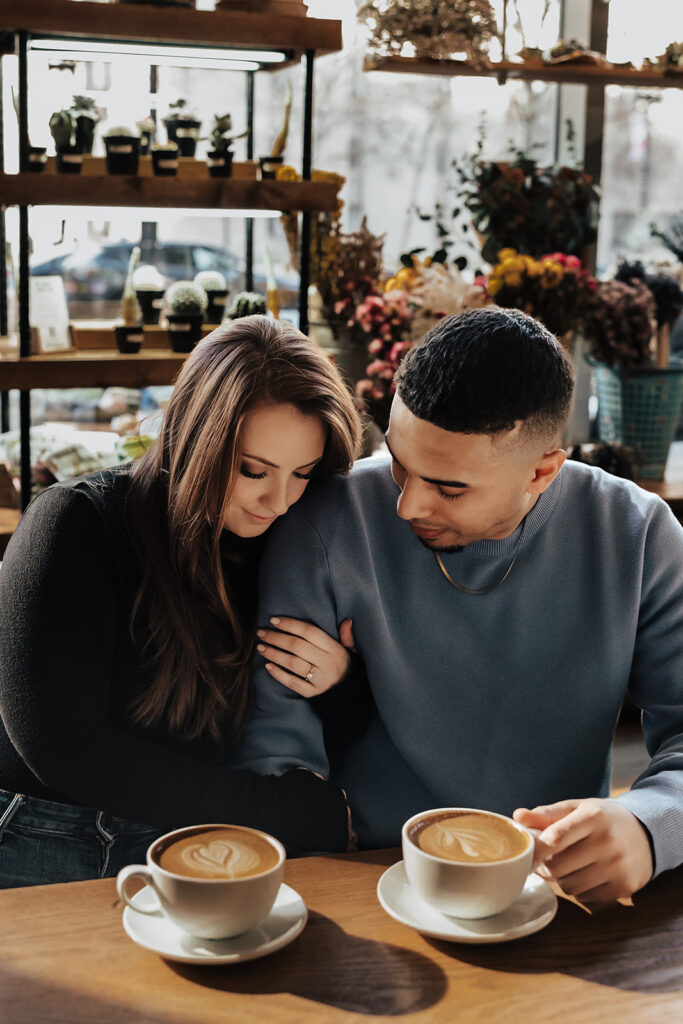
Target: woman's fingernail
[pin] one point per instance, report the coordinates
(269, 666)
(260, 648)
(276, 622)
(260, 632)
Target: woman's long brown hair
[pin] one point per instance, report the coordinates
(180, 491)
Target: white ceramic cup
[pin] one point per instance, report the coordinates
(210, 908)
(468, 890)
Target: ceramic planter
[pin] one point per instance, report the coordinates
(165, 162)
(269, 166)
(150, 302)
(184, 330)
(219, 162)
(37, 159)
(129, 339)
(184, 132)
(69, 159)
(123, 152)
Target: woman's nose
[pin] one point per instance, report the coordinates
(276, 497)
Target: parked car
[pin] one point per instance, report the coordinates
(94, 275)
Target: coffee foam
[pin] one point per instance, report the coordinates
(218, 853)
(468, 837)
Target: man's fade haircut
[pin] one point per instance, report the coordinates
(481, 371)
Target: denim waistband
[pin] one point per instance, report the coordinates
(32, 811)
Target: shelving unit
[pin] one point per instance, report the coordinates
(291, 36)
(529, 71)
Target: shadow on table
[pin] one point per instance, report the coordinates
(326, 965)
(635, 949)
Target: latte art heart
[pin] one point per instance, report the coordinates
(232, 858)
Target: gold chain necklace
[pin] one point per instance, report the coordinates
(486, 590)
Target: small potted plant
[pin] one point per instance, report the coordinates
(123, 150)
(216, 288)
(269, 164)
(149, 290)
(69, 152)
(185, 308)
(129, 335)
(246, 304)
(165, 159)
(85, 116)
(219, 157)
(182, 127)
(146, 129)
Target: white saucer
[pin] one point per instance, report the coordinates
(533, 910)
(155, 932)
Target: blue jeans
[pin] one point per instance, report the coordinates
(42, 842)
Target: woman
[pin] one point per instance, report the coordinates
(127, 607)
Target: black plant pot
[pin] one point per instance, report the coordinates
(123, 152)
(145, 143)
(85, 133)
(150, 302)
(219, 162)
(269, 165)
(216, 308)
(69, 159)
(165, 162)
(184, 132)
(129, 339)
(37, 159)
(184, 330)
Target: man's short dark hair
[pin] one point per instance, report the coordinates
(483, 370)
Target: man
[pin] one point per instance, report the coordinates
(501, 616)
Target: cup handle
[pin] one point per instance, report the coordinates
(141, 872)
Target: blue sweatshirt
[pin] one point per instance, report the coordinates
(497, 701)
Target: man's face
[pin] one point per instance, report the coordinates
(460, 488)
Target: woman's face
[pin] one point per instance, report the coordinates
(279, 450)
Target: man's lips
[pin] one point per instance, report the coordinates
(427, 532)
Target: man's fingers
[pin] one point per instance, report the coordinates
(568, 831)
(346, 634)
(542, 816)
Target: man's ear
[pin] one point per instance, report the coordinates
(546, 469)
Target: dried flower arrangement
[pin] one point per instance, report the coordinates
(619, 324)
(670, 60)
(325, 230)
(517, 204)
(554, 289)
(434, 28)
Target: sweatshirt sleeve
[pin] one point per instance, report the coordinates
(656, 685)
(284, 730)
(60, 605)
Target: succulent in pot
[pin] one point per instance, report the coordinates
(165, 159)
(123, 150)
(182, 127)
(216, 288)
(129, 335)
(85, 116)
(149, 288)
(246, 304)
(186, 305)
(69, 152)
(146, 130)
(219, 157)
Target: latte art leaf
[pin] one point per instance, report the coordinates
(474, 844)
(470, 838)
(229, 858)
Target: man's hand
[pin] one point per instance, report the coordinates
(596, 850)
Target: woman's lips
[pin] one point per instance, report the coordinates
(263, 520)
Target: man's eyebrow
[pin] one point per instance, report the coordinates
(257, 458)
(427, 479)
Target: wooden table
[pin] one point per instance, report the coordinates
(9, 520)
(64, 957)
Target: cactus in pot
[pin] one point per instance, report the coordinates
(246, 304)
(216, 288)
(123, 150)
(186, 305)
(149, 288)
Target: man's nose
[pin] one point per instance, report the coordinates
(414, 501)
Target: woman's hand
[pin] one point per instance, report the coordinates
(304, 657)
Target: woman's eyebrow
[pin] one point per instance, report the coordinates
(266, 462)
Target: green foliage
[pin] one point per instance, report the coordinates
(246, 304)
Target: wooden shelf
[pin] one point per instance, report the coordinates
(197, 193)
(9, 520)
(89, 369)
(172, 25)
(576, 74)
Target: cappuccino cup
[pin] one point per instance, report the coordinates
(466, 862)
(213, 881)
